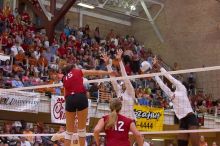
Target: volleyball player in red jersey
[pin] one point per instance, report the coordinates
(76, 101)
(117, 127)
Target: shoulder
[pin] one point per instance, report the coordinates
(105, 117)
(126, 119)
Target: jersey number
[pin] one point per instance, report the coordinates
(119, 125)
(69, 75)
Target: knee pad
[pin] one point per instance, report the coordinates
(182, 143)
(81, 132)
(68, 135)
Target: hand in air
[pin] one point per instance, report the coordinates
(119, 54)
(156, 65)
(105, 58)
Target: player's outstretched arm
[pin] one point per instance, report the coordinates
(164, 87)
(137, 134)
(106, 59)
(128, 84)
(174, 81)
(98, 128)
(158, 67)
(97, 73)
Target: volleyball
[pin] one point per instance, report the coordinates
(145, 66)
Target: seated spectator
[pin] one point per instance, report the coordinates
(26, 78)
(203, 108)
(142, 99)
(27, 130)
(7, 68)
(2, 82)
(24, 141)
(32, 60)
(37, 53)
(20, 57)
(42, 62)
(16, 82)
(17, 68)
(37, 139)
(46, 140)
(202, 141)
(16, 48)
(214, 144)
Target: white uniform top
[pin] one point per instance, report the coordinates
(128, 96)
(181, 103)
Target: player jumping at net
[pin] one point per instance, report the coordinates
(76, 102)
(117, 127)
(181, 106)
(124, 90)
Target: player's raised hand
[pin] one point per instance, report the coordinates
(156, 65)
(105, 58)
(119, 54)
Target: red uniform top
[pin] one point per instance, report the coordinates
(119, 135)
(73, 82)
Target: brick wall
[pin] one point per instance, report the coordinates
(191, 31)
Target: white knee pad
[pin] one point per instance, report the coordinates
(81, 132)
(68, 135)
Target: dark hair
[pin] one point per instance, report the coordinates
(67, 69)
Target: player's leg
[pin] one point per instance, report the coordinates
(193, 124)
(70, 120)
(82, 117)
(82, 114)
(183, 138)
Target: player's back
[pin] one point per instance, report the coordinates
(118, 136)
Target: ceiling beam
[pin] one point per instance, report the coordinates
(143, 4)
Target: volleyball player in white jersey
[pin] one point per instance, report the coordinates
(181, 106)
(124, 90)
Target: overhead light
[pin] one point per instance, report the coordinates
(158, 139)
(86, 5)
(132, 7)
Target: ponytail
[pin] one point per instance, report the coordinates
(115, 106)
(111, 121)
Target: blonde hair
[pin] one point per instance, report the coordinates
(115, 107)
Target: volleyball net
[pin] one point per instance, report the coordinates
(153, 108)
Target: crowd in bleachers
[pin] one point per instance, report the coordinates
(18, 127)
(35, 61)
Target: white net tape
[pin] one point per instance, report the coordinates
(143, 133)
(203, 69)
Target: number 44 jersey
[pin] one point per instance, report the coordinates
(118, 136)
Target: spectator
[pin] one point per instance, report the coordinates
(16, 48)
(37, 139)
(214, 144)
(16, 82)
(203, 108)
(7, 68)
(202, 141)
(97, 35)
(30, 139)
(25, 142)
(2, 83)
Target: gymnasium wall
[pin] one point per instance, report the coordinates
(104, 25)
(191, 29)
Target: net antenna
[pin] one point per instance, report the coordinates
(48, 14)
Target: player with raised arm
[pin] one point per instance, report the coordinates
(181, 106)
(124, 90)
(76, 102)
